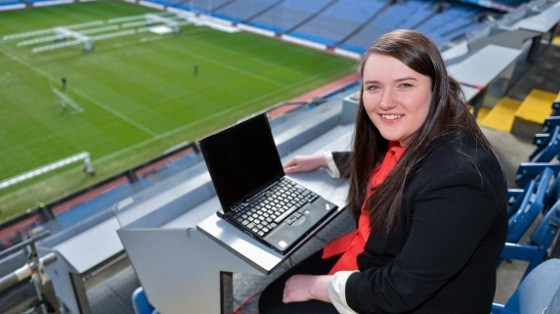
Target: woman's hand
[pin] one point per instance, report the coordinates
(301, 288)
(305, 163)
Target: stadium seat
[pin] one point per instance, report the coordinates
(140, 302)
(556, 108)
(529, 208)
(548, 146)
(552, 121)
(539, 292)
(541, 240)
(527, 170)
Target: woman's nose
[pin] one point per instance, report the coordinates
(387, 100)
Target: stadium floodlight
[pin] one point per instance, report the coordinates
(66, 101)
(50, 167)
(64, 32)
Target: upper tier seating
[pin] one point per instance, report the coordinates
(339, 20)
(289, 14)
(242, 10)
(451, 22)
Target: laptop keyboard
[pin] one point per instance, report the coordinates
(283, 202)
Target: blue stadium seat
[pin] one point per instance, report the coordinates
(548, 146)
(241, 10)
(541, 240)
(529, 208)
(539, 292)
(140, 302)
(287, 14)
(555, 108)
(339, 20)
(551, 122)
(9, 2)
(529, 170)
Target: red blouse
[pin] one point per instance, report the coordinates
(352, 244)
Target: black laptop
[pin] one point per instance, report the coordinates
(250, 183)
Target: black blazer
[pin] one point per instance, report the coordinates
(441, 257)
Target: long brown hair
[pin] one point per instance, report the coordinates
(448, 115)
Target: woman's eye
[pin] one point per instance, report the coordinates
(373, 87)
(406, 85)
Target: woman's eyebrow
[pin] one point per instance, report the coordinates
(370, 81)
(407, 78)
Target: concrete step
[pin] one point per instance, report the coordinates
(556, 41)
(482, 113)
(532, 112)
(502, 115)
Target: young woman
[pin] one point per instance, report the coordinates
(427, 191)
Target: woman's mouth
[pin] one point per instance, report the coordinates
(392, 116)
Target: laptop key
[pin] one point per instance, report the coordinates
(285, 214)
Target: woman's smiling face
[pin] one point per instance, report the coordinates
(396, 98)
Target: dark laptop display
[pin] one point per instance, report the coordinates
(256, 197)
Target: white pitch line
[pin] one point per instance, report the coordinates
(114, 112)
(75, 91)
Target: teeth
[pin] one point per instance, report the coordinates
(391, 116)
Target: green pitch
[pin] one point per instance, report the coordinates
(141, 93)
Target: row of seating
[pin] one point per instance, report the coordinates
(349, 24)
(536, 203)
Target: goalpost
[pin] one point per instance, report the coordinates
(153, 18)
(63, 33)
(60, 33)
(88, 168)
(65, 101)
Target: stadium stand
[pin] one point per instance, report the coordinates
(409, 14)
(338, 20)
(241, 10)
(287, 14)
(9, 2)
(207, 6)
(450, 22)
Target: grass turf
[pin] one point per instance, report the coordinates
(140, 94)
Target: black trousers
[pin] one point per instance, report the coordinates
(270, 300)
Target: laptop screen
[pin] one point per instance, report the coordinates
(242, 160)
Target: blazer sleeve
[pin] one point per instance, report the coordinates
(338, 164)
(450, 217)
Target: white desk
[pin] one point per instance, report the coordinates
(480, 69)
(469, 93)
(542, 23)
(78, 257)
